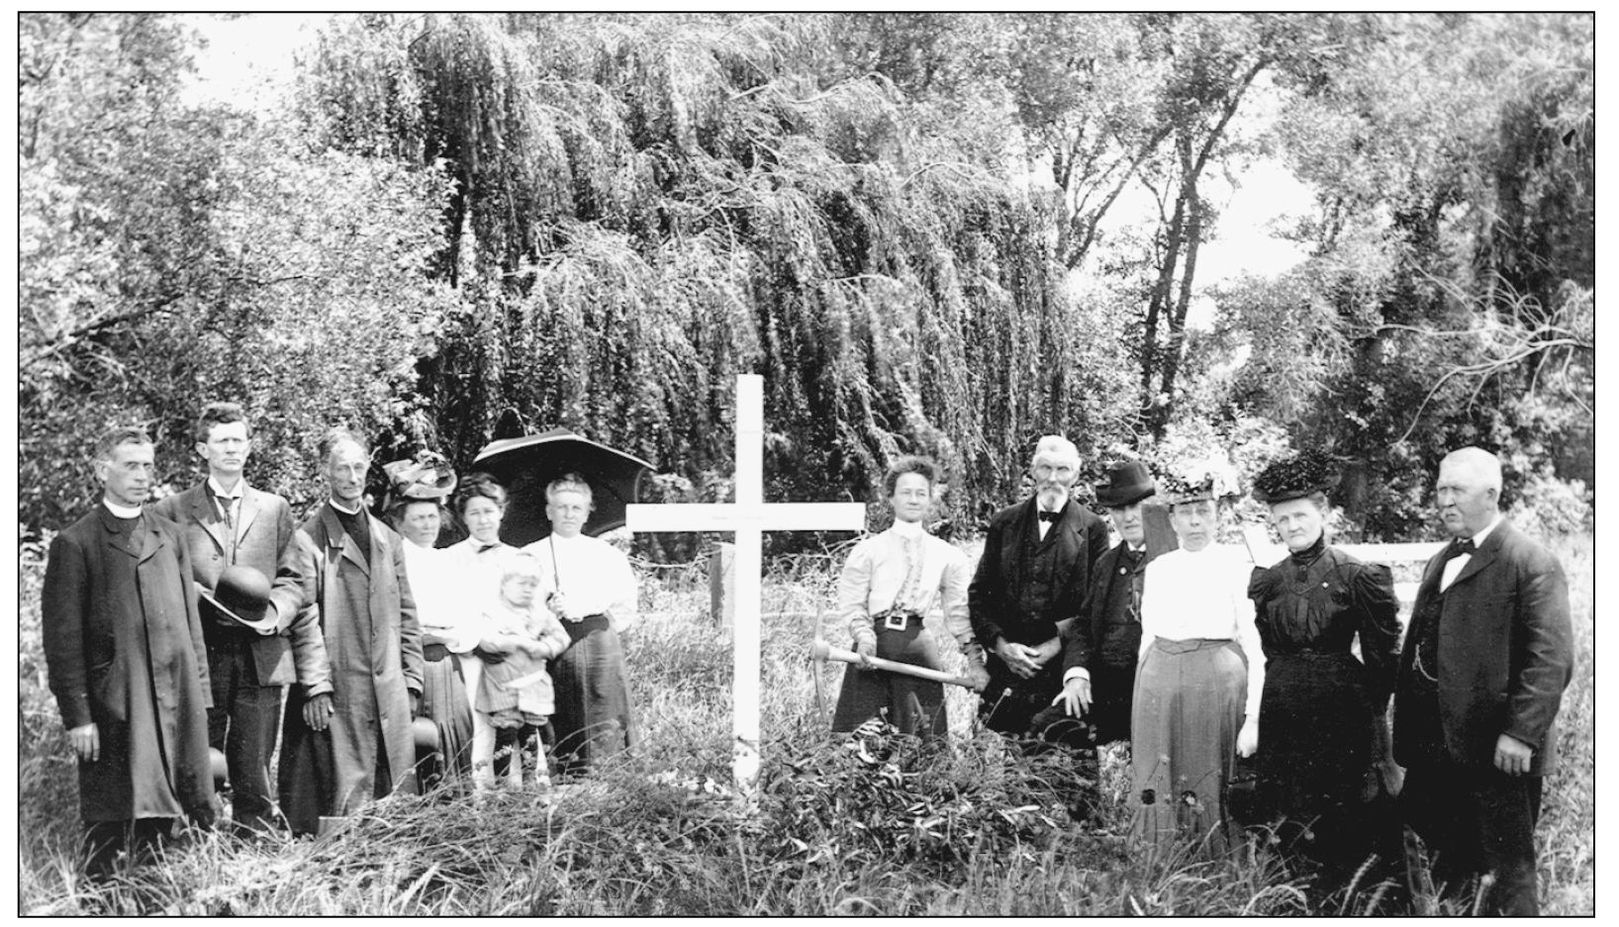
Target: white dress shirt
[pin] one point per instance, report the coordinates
(1203, 594)
(593, 576)
(1040, 525)
(1453, 566)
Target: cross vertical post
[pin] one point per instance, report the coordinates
(750, 491)
(749, 517)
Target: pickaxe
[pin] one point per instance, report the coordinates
(821, 651)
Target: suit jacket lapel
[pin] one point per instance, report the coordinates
(149, 538)
(335, 533)
(206, 515)
(379, 546)
(1482, 557)
(251, 500)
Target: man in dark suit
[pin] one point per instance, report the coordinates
(1101, 649)
(227, 522)
(1030, 582)
(1486, 657)
(127, 664)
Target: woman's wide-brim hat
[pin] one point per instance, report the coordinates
(1296, 477)
(241, 596)
(1128, 482)
(1198, 481)
(427, 476)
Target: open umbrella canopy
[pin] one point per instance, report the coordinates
(525, 465)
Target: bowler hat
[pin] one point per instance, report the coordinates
(424, 731)
(240, 597)
(1128, 482)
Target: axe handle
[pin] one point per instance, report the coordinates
(824, 651)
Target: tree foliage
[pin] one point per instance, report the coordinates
(645, 208)
(913, 224)
(172, 253)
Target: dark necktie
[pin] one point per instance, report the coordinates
(224, 503)
(1459, 547)
(1050, 516)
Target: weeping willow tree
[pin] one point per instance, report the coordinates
(644, 207)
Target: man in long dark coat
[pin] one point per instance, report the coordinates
(347, 736)
(1486, 658)
(127, 662)
(227, 522)
(1029, 585)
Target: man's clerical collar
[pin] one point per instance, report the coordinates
(121, 511)
(235, 491)
(343, 508)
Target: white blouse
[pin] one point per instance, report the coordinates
(435, 588)
(1188, 595)
(875, 579)
(593, 575)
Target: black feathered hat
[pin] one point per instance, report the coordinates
(1307, 472)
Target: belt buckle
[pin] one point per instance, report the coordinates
(895, 620)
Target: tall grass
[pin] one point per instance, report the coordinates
(869, 825)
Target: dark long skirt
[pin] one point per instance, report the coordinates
(1188, 708)
(915, 706)
(444, 701)
(1316, 734)
(592, 719)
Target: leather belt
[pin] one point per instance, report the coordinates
(896, 619)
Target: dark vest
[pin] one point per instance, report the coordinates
(1036, 583)
(1420, 706)
(1119, 645)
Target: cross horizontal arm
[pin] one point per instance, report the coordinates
(729, 516)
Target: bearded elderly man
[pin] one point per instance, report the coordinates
(1486, 658)
(1030, 583)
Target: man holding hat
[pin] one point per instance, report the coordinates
(1102, 647)
(244, 562)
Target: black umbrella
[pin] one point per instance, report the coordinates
(524, 466)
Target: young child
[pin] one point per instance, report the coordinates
(514, 696)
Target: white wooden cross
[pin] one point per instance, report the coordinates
(749, 517)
